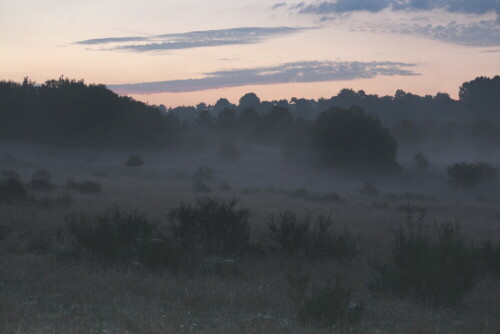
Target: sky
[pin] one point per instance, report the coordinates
(182, 52)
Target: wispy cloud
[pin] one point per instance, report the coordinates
(278, 5)
(306, 71)
(479, 34)
(454, 6)
(193, 39)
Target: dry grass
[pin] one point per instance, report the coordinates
(40, 293)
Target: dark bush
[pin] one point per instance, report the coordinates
(290, 234)
(470, 175)
(326, 198)
(348, 137)
(298, 193)
(327, 306)
(369, 189)
(42, 174)
(40, 184)
(437, 268)
(12, 191)
(420, 163)
(118, 239)
(224, 186)
(134, 161)
(85, 187)
(228, 150)
(210, 227)
(201, 177)
(489, 255)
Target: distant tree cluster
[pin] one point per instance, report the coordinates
(69, 112)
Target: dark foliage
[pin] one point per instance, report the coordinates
(134, 161)
(470, 175)
(369, 189)
(85, 187)
(325, 306)
(12, 191)
(290, 234)
(437, 268)
(347, 137)
(210, 227)
(10, 174)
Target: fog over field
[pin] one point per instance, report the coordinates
(249, 167)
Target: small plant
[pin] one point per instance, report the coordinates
(369, 189)
(85, 187)
(327, 306)
(134, 161)
(438, 268)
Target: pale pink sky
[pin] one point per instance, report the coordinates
(444, 46)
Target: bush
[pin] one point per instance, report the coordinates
(118, 239)
(224, 186)
(210, 227)
(85, 187)
(42, 174)
(420, 163)
(369, 189)
(470, 175)
(348, 137)
(327, 198)
(40, 184)
(298, 193)
(489, 255)
(326, 306)
(134, 161)
(12, 191)
(228, 150)
(289, 234)
(438, 268)
(203, 174)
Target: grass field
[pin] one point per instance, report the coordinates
(43, 292)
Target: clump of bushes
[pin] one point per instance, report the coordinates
(290, 234)
(325, 306)
(436, 266)
(134, 161)
(210, 227)
(120, 238)
(470, 175)
(84, 187)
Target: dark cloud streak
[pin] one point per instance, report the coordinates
(303, 72)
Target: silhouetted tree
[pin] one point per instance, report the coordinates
(349, 137)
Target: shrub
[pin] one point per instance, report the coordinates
(470, 175)
(64, 200)
(379, 205)
(489, 255)
(438, 268)
(369, 189)
(42, 174)
(40, 184)
(85, 187)
(327, 198)
(224, 186)
(12, 191)
(134, 161)
(326, 306)
(210, 227)
(298, 193)
(118, 238)
(202, 175)
(289, 234)
(228, 150)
